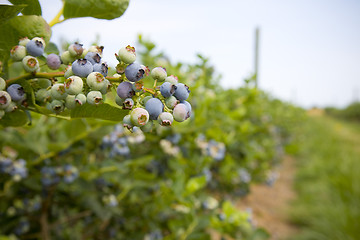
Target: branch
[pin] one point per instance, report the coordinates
(35, 75)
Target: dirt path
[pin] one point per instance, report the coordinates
(270, 204)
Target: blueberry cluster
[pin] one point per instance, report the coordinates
(212, 148)
(17, 169)
(53, 175)
(164, 103)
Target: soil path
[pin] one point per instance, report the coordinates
(270, 204)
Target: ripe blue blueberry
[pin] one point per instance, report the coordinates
(35, 47)
(101, 68)
(139, 117)
(127, 54)
(159, 74)
(181, 91)
(30, 64)
(49, 176)
(125, 90)
(5, 99)
(16, 92)
(167, 89)
(188, 105)
(53, 61)
(70, 173)
(93, 57)
(154, 106)
(82, 67)
(134, 72)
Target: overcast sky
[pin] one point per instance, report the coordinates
(309, 49)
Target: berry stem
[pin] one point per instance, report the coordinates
(56, 19)
(35, 75)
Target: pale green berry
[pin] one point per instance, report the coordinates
(127, 122)
(139, 117)
(119, 101)
(80, 99)
(171, 102)
(42, 95)
(5, 99)
(76, 49)
(11, 107)
(145, 99)
(165, 119)
(127, 54)
(2, 84)
(24, 41)
(56, 106)
(94, 98)
(30, 64)
(44, 82)
(96, 81)
(172, 79)
(106, 87)
(181, 112)
(96, 49)
(17, 53)
(66, 58)
(147, 127)
(68, 73)
(73, 85)
(159, 74)
(70, 102)
(58, 92)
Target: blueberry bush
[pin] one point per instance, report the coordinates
(156, 150)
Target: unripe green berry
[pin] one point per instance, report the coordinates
(30, 64)
(2, 84)
(24, 41)
(94, 98)
(139, 117)
(119, 101)
(96, 49)
(56, 106)
(58, 92)
(127, 54)
(5, 99)
(96, 81)
(70, 102)
(76, 49)
(106, 87)
(127, 122)
(172, 79)
(42, 95)
(159, 74)
(17, 53)
(80, 99)
(68, 73)
(11, 107)
(66, 58)
(44, 82)
(145, 99)
(73, 85)
(165, 119)
(181, 112)
(147, 127)
(171, 102)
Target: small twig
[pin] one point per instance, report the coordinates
(35, 75)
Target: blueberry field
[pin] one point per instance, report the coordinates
(152, 149)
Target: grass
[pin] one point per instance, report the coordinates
(328, 181)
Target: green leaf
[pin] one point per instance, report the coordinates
(194, 184)
(14, 119)
(19, 27)
(102, 111)
(105, 9)
(9, 11)
(51, 48)
(32, 6)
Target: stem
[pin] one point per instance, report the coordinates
(56, 19)
(35, 75)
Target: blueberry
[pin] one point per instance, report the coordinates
(58, 92)
(68, 73)
(172, 79)
(188, 105)
(128, 103)
(35, 47)
(49, 176)
(93, 57)
(82, 67)
(70, 173)
(17, 53)
(42, 95)
(125, 90)
(139, 117)
(96, 81)
(70, 102)
(16, 92)
(56, 106)
(134, 72)
(94, 98)
(165, 119)
(80, 99)
(181, 91)
(5, 99)
(30, 64)
(73, 85)
(24, 41)
(147, 127)
(167, 89)
(119, 101)
(127, 122)
(2, 84)
(154, 106)
(76, 49)
(216, 150)
(12, 107)
(159, 74)
(44, 82)
(181, 112)
(53, 61)
(171, 102)
(106, 87)
(101, 68)
(66, 58)
(127, 54)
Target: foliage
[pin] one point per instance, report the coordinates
(351, 112)
(87, 177)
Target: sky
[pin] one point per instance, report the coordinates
(309, 49)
